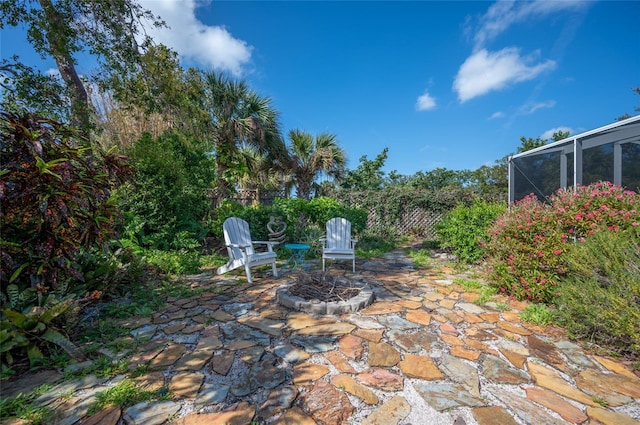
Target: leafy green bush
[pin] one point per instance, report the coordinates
(257, 216)
(464, 229)
(25, 333)
(109, 270)
(600, 298)
(168, 194)
(528, 245)
(323, 209)
(225, 210)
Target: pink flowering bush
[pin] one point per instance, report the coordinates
(528, 246)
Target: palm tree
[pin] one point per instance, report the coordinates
(262, 171)
(239, 118)
(309, 157)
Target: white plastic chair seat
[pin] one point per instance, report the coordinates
(241, 251)
(347, 253)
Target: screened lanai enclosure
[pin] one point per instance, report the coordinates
(610, 153)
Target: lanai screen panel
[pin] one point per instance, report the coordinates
(537, 174)
(610, 153)
(631, 166)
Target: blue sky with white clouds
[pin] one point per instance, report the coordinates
(451, 84)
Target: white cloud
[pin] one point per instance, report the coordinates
(496, 115)
(52, 72)
(531, 108)
(425, 102)
(486, 71)
(209, 46)
(549, 133)
(503, 14)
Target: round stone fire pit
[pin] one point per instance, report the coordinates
(321, 293)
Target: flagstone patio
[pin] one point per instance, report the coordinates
(422, 353)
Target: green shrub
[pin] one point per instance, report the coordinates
(323, 209)
(464, 229)
(109, 270)
(303, 218)
(167, 195)
(600, 298)
(225, 210)
(528, 246)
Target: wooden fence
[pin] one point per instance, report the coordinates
(413, 222)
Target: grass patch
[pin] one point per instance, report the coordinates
(24, 408)
(374, 247)
(421, 258)
(124, 394)
(486, 294)
(469, 285)
(502, 307)
(212, 261)
(539, 314)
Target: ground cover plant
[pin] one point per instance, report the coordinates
(529, 247)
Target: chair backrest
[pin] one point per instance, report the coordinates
(236, 231)
(339, 233)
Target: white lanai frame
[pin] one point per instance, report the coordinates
(618, 133)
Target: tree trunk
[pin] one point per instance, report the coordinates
(59, 48)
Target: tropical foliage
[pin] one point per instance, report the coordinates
(238, 117)
(167, 198)
(311, 156)
(55, 195)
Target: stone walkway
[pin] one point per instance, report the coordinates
(422, 353)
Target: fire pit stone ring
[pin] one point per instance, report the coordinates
(361, 300)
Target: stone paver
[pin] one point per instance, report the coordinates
(422, 353)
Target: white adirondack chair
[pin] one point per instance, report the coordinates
(338, 245)
(241, 250)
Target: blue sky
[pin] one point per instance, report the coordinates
(449, 84)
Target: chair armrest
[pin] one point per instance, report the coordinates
(235, 245)
(269, 244)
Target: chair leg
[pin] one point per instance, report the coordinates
(322, 263)
(354, 265)
(248, 271)
(275, 269)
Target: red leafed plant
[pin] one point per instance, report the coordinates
(55, 198)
